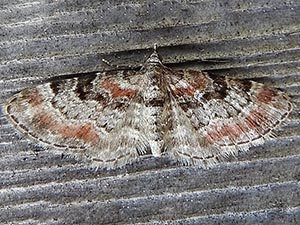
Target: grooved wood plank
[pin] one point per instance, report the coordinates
(249, 39)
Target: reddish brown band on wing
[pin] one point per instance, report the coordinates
(32, 96)
(115, 89)
(190, 91)
(254, 121)
(198, 82)
(266, 95)
(84, 132)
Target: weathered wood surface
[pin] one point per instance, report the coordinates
(257, 39)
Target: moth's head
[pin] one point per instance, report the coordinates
(154, 59)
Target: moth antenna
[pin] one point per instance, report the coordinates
(109, 63)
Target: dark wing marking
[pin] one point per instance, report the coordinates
(216, 116)
(98, 116)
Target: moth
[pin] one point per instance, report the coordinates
(113, 118)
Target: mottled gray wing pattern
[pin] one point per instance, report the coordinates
(112, 118)
(213, 116)
(99, 116)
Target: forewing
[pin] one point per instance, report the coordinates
(214, 117)
(87, 115)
